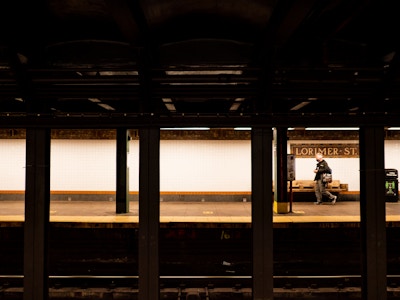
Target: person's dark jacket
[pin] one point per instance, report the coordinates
(322, 167)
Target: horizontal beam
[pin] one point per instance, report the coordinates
(134, 120)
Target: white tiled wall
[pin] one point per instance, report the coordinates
(205, 165)
(185, 165)
(82, 165)
(12, 164)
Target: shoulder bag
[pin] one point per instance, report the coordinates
(327, 177)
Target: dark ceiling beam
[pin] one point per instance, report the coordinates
(30, 30)
(285, 20)
(121, 12)
(134, 120)
(114, 80)
(199, 91)
(26, 46)
(280, 32)
(349, 11)
(133, 24)
(133, 91)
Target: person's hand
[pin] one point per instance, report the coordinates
(315, 171)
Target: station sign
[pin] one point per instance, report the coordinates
(328, 150)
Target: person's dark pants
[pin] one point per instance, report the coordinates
(320, 191)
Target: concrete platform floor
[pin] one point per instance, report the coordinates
(105, 211)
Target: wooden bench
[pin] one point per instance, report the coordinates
(304, 186)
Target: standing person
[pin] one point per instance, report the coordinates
(320, 187)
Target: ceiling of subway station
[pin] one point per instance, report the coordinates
(288, 60)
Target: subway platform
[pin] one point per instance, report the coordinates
(102, 212)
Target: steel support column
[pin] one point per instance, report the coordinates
(262, 223)
(37, 208)
(149, 213)
(372, 206)
(122, 193)
(281, 201)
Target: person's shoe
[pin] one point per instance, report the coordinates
(334, 200)
(318, 202)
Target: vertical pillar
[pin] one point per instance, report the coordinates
(37, 209)
(262, 222)
(281, 201)
(372, 206)
(149, 213)
(122, 193)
